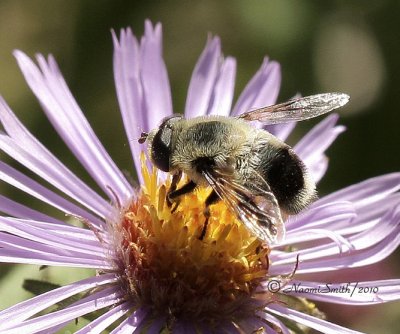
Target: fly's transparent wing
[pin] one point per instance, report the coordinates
(297, 109)
(257, 208)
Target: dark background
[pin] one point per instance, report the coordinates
(350, 46)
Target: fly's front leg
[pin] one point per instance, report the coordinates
(211, 199)
(174, 183)
(174, 193)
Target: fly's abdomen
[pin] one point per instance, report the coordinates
(287, 177)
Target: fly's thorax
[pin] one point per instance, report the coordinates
(208, 142)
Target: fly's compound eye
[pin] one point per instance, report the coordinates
(161, 145)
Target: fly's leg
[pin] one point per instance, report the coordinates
(211, 199)
(174, 183)
(174, 193)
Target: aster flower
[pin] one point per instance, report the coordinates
(153, 273)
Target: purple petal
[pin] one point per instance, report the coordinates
(322, 216)
(157, 92)
(365, 217)
(69, 232)
(305, 147)
(313, 145)
(271, 319)
(366, 192)
(281, 131)
(63, 112)
(18, 210)
(97, 301)
(16, 314)
(382, 230)
(129, 90)
(50, 168)
(368, 216)
(26, 231)
(24, 183)
(262, 90)
(370, 246)
(101, 323)
(154, 327)
(308, 320)
(317, 234)
(318, 168)
(221, 100)
(356, 293)
(129, 325)
(203, 80)
(88, 298)
(50, 259)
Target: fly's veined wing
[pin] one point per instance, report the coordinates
(257, 208)
(297, 109)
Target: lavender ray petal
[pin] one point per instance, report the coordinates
(154, 327)
(203, 79)
(305, 147)
(313, 234)
(262, 90)
(271, 319)
(67, 231)
(368, 216)
(156, 88)
(388, 225)
(318, 168)
(11, 244)
(221, 101)
(101, 323)
(308, 320)
(351, 259)
(322, 216)
(64, 113)
(49, 259)
(365, 219)
(126, 62)
(320, 145)
(26, 184)
(94, 158)
(129, 325)
(366, 192)
(313, 145)
(14, 315)
(99, 300)
(41, 236)
(63, 177)
(355, 293)
(12, 208)
(88, 298)
(281, 131)
(16, 242)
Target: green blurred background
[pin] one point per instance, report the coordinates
(350, 46)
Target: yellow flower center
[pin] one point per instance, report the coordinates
(168, 268)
